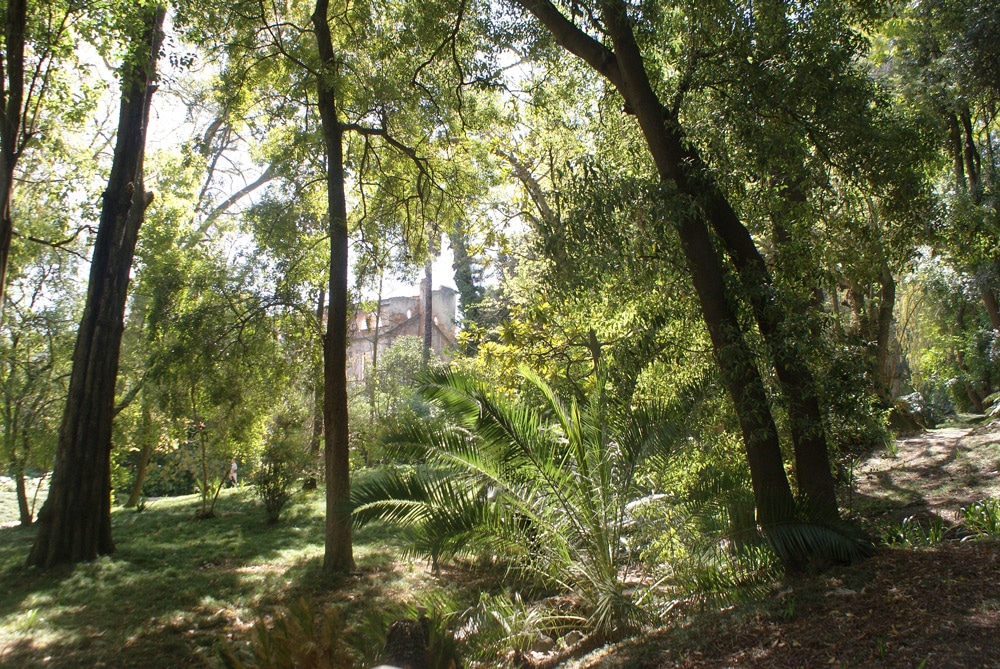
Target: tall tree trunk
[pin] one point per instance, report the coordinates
(317, 421)
(970, 154)
(760, 435)
(957, 153)
(145, 453)
(625, 69)
(75, 521)
(23, 510)
(338, 556)
(11, 101)
(678, 163)
(427, 306)
(883, 337)
(992, 307)
(812, 457)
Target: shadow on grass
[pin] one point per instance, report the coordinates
(176, 585)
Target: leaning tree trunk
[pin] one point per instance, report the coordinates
(23, 510)
(772, 493)
(11, 99)
(679, 164)
(75, 521)
(338, 556)
(992, 307)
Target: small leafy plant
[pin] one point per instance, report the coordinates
(298, 638)
(982, 519)
(911, 533)
(274, 479)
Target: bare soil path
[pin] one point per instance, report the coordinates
(932, 607)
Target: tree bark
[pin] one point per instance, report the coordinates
(970, 155)
(883, 335)
(11, 101)
(75, 521)
(338, 556)
(23, 510)
(145, 453)
(957, 153)
(625, 69)
(992, 307)
(317, 421)
(427, 290)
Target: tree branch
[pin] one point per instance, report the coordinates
(574, 40)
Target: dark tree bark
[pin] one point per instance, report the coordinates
(317, 421)
(970, 155)
(883, 334)
(23, 510)
(11, 101)
(625, 69)
(75, 521)
(992, 307)
(681, 166)
(427, 306)
(805, 418)
(957, 153)
(338, 556)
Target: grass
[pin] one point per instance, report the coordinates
(9, 514)
(176, 585)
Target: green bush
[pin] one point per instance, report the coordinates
(281, 462)
(299, 639)
(543, 489)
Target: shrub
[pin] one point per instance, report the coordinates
(281, 462)
(544, 489)
(295, 640)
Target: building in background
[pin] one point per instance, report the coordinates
(400, 316)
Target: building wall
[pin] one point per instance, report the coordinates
(401, 316)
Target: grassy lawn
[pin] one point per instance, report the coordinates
(177, 586)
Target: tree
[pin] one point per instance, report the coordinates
(34, 47)
(684, 175)
(75, 521)
(939, 57)
(33, 364)
(12, 140)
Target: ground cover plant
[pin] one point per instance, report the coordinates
(179, 590)
(179, 587)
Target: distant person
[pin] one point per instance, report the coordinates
(232, 473)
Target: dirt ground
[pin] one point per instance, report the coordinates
(926, 607)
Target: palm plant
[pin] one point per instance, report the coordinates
(544, 488)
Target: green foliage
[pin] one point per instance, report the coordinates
(856, 421)
(911, 533)
(281, 462)
(504, 622)
(389, 398)
(724, 556)
(543, 488)
(982, 519)
(295, 640)
(434, 612)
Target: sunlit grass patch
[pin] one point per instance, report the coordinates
(177, 585)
